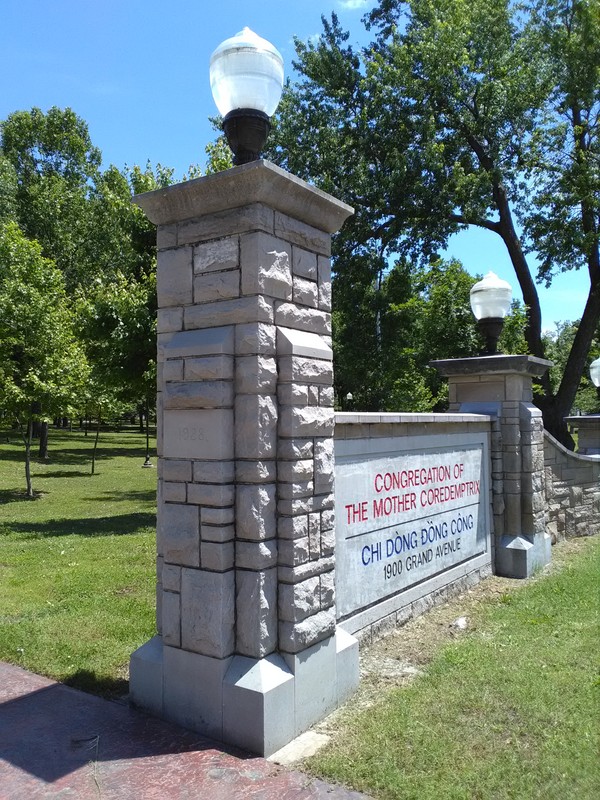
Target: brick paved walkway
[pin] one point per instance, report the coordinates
(57, 742)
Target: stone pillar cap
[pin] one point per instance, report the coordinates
(257, 182)
(590, 419)
(490, 365)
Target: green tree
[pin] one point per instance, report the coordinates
(558, 346)
(482, 113)
(41, 363)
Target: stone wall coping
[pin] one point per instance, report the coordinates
(257, 182)
(565, 450)
(493, 365)
(584, 419)
(391, 418)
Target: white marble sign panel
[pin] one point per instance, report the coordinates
(402, 518)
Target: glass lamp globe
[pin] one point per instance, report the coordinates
(595, 372)
(490, 301)
(246, 78)
(491, 297)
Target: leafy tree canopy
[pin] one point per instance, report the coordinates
(482, 113)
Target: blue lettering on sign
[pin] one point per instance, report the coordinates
(371, 553)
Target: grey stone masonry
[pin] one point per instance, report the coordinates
(245, 422)
(572, 490)
(502, 387)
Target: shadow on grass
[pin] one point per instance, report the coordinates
(96, 526)
(88, 681)
(64, 473)
(142, 495)
(17, 496)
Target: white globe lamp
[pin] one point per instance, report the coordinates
(246, 78)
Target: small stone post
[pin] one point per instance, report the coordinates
(502, 386)
(588, 430)
(248, 651)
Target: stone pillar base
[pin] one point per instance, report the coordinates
(522, 556)
(257, 704)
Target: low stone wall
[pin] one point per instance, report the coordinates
(413, 514)
(572, 487)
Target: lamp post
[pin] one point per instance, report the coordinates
(595, 373)
(349, 399)
(246, 78)
(490, 302)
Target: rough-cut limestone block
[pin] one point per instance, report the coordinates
(208, 612)
(255, 338)
(255, 308)
(255, 471)
(304, 263)
(327, 520)
(255, 512)
(255, 375)
(174, 277)
(288, 491)
(294, 369)
(314, 534)
(255, 426)
(186, 344)
(328, 542)
(304, 571)
(214, 471)
(198, 434)
(209, 368)
(324, 465)
(211, 494)
(171, 578)
(307, 421)
(171, 619)
(325, 296)
(216, 286)
(291, 471)
(172, 370)
(292, 552)
(166, 236)
(217, 557)
(288, 315)
(179, 534)
(255, 216)
(292, 527)
(266, 266)
(327, 589)
(256, 605)
(299, 601)
(295, 448)
(173, 492)
(198, 394)
(292, 394)
(299, 233)
(215, 256)
(217, 516)
(297, 636)
(217, 533)
(255, 555)
(305, 292)
(169, 320)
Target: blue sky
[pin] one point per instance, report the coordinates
(137, 72)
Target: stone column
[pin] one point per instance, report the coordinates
(502, 386)
(588, 433)
(248, 651)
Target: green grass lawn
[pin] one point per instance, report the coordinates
(510, 711)
(77, 563)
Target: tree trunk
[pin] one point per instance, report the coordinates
(43, 447)
(27, 437)
(95, 447)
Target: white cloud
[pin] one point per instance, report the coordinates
(351, 5)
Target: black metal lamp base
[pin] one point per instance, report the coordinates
(246, 130)
(490, 328)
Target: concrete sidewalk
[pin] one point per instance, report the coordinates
(57, 742)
